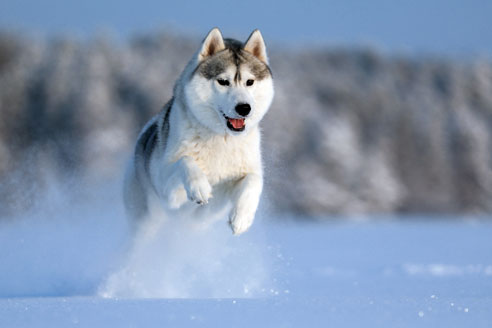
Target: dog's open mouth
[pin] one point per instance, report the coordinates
(235, 124)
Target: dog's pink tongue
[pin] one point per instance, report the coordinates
(237, 123)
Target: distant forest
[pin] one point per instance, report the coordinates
(351, 131)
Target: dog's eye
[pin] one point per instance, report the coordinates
(223, 82)
(250, 83)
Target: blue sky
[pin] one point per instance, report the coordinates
(439, 26)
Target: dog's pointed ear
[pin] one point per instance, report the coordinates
(256, 46)
(212, 44)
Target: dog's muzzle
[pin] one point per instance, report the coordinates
(235, 124)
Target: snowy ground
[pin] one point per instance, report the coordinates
(71, 265)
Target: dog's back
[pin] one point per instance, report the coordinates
(137, 180)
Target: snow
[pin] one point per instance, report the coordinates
(78, 264)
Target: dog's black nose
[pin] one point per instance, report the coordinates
(243, 109)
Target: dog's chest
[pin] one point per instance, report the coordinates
(224, 159)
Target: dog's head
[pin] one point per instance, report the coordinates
(230, 87)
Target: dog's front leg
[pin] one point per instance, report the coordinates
(246, 198)
(186, 181)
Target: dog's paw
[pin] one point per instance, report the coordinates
(177, 198)
(240, 221)
(199, 189)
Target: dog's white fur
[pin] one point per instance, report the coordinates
(203, 168)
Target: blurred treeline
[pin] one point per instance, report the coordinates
(350, 130)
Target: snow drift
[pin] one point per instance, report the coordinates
(76, 242)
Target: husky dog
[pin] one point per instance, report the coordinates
(200, 156)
